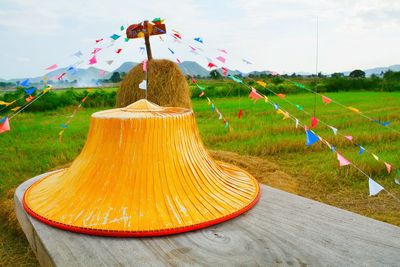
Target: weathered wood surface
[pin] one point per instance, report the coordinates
(282, 229)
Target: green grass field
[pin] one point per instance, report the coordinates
(32, 147)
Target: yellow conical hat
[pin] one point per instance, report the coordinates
(142, 172)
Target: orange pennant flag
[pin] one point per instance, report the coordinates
(326, 100)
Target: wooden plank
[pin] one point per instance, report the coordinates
(282, 229)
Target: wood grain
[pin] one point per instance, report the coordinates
(281, 230)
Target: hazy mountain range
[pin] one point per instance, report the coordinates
(91, 74)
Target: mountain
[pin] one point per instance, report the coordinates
(193, 68)
(125, 67)
(377, 71)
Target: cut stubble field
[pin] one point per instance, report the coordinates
(270, 148)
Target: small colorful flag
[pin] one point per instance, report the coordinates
(223, 51)
(299, 107)
(388, 167)
(224, 71)
(201, 94)
(222, 59)
(263, 84)
(118, 50)
(354, 109)
(361, 150)
(254, 95)
(211, 65)
(349, 137)
(311, 138)
(171, 50)
(198, 39)
(93, 60)
(240, 113)
(78, 54)
(145, 65)
(281, 95)
(99, 40)
(25, 83)
(314, 122)
(114, 36)
(374, 187)
(143, 85)
(326, 100)
(52, 67)
(30, 90)
(342, 161)
(29, 98)
(4, 125)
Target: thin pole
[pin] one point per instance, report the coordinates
(316, 70)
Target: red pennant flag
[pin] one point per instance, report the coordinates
(29, 98)
(61, 76)
(193, 80)
(314, 122)
(224, 71)
(99, 40)
(254, 95)
(177, 35)
(5, 126)
(119, 50)
(240, 114)
(201, 94)
(211, 65)
(96, 50)
(326, 100)
(281, 96)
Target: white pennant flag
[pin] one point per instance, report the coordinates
(333, 129)
(396, 181)
(297, 123)
(374, 187)
(143, 85)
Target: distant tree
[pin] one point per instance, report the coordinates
(320, 75)
(357, 74)
(115, 77)
(337, 75)
(215, 75)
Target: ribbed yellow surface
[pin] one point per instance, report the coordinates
(142, 169)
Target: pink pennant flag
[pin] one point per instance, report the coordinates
(118, 50)
(102, 73)
(93, 60)
(349, 137)
(222, 59)
(211, 65)
(326, 100)
(5, 126)
(95, 51)
(342, 160)
(314, 122)
(99, 40)
(61, 76)
(224, 71)
(52, 67)
(223, 51)
(254, 95)
(281, 96)
(388, 167)
(145, 65)
(191, 47)
(201, 94)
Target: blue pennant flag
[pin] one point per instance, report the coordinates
(198, 39)
(64, 126)
(333, 148)
(386, 123)
(311, 138)
(171, 50)
(25, 83)
(114, 36)
(212, 107)
(30, 90)
(361, 150)
(276, 106)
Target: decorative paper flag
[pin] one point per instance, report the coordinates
(191, 47)
(299, 85)
(48, 88)
(201, 94)
(266, 100)
(361, 150)
(122, 28)
(93, 60)
(382, 123)
(299, 107)
(25, 83)
(200, 87)
(226, 125)
(61, 76)
(326, 100)
(388, 167)
(240, 113)
(30, 90)
(208, 101)
(396, 181)
(223, 51)
(212, 107)
(211, 65)
(193, 80)
(234, 78)
(349, 137)
(29, 98)
(7, 103)
(177, 35)
(246, 61)
(375, 156)
(99, 40)
(198, 39)
(114, 36)
(333, 129)
(314, 122)
(374, 187)
(342, 160)
(281, 95)
(276, 106)
(96, 50)
(219, 113)
(145, 65)
(222, 59)
(72, 70)
(285, 114)
(311, 138)
(171, 50)
(102, 73)
(78, 54)
(4, 125)
(263, 84)
(177, 60)
(254, 95)
(297, 123)
(224, 71)
(118, 50)
(143, 85)
(16, 108)
(127, 39)
(109, 62)
(354, 109)
(52, 67)
(64, 126)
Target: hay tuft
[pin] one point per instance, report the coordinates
(166, 86)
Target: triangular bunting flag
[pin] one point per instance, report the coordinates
(374, 187)
(311, 138)
(4, 125)
(342, 161)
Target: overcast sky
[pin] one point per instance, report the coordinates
(273, 35)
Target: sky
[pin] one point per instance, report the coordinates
(273, 35)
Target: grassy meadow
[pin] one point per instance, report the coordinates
(267, 146)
